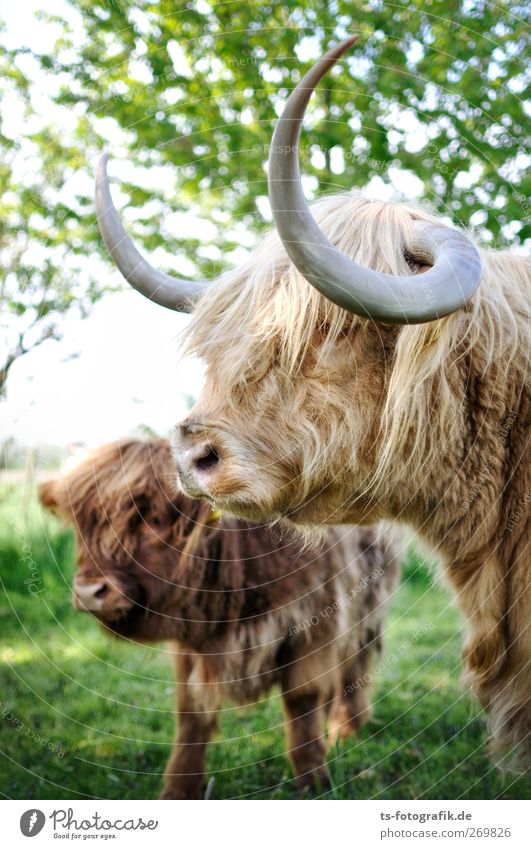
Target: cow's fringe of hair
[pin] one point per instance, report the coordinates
(268, 294)
(114, 485)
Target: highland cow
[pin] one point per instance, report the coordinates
(245, 608)
(370, 362)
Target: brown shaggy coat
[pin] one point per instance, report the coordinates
(244, 606)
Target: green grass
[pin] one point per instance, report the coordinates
(104, 709)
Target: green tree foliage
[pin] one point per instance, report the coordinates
(191, 91)
(43, 227)
(436, 87)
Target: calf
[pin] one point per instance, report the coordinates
(246, 607)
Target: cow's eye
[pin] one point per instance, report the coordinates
(155, 521)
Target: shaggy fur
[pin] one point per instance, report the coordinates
(244, 606)
(321, 417)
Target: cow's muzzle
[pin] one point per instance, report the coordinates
(101, 596)
(197, 459)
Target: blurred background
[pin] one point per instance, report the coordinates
(430, 107)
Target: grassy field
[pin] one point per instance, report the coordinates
(83, 716)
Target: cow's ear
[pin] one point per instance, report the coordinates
(48, 495)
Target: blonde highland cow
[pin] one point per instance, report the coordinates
(369, 362)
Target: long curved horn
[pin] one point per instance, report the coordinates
(411, 299)
(175, 293)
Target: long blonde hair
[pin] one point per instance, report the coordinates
(266, 313)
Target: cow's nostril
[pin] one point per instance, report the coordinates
(207, 461)
(102, 591)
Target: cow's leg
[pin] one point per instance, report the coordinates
(305, 693)
(306, 741)
(496, 603)
(197, 721)
(352, 706)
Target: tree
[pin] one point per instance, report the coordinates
(43, 229)
(436, 87)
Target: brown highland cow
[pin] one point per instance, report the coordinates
(244, 607)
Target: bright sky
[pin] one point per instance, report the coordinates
(111, 373)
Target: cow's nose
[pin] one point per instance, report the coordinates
(98, 596)
(90, 596)
(194, 456)
(202, 457)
